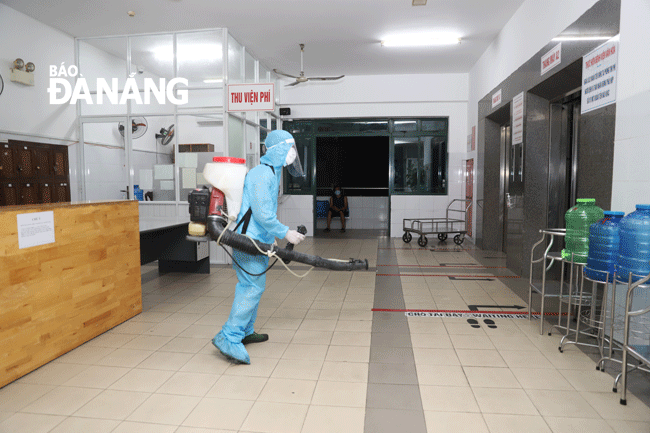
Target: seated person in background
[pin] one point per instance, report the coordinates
(338, 206)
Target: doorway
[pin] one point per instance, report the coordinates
(348, 161)
(563, 157)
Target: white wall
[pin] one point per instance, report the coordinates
(26, 109)
(431, 95)
(631, 183)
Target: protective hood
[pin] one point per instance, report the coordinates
(277, 144)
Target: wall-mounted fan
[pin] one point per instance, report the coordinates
(138, 127)
(302, 78)
(166, 135)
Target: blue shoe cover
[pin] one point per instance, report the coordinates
(232, 351)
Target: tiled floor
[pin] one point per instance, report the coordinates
(331, 364)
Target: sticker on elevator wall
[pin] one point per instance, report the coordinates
(473, 138)
(599, 77)
(552, 58)
(518, 119)
(35, 229)
(496, 98)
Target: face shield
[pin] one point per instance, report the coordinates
(292, 163)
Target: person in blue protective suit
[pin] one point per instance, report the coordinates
(258, 219)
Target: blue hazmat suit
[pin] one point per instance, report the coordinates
(261, 188)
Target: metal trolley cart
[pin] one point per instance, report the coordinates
(438, 226)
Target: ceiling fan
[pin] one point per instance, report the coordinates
(302, 78)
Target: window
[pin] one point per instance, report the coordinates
(418, 151)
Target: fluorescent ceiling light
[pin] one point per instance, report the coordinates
(213, 80)
(419, 41)
(419, 2)
(582, 38)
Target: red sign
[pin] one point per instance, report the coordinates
(552, 58)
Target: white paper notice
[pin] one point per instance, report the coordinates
(167, 185)
(599, 77)
(518, 119)
(162, 172)
(146, 179)
(188, 177)
(35, 229)
(187, 159)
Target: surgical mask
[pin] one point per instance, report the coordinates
(337, 192)
(293, 163)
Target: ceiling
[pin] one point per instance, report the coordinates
(340, 36)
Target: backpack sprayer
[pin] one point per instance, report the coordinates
(212, 212)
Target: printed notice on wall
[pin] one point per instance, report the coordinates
(599, 77)
(35, 229)
(496, 98)
(551, 59)
(518, 119)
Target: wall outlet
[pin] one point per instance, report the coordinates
(22, 77)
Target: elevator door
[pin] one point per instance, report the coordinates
(513, 199)
(563, 158)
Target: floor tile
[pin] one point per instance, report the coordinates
(85, 425)
(85, 355)
(112, 404)
(218, 413)
(435, 356)
(577, 425)
(525, 359)
(237, 387)
(297, 369)
(491, 377)
(190, 384)
(392, 373)
(312, 337)
(266, 350)
(165, 409)
(141, 380)
(454, 422)
(629, 426)
(504, 401)
(30, 422)
(184, 345)
(568, 404)
(500, 423)
(209, 364)
(314, 352)
(147, 342)
(96, 376)
(140, 427)
(541, 378)
(344, 394)
(165, 361)
(471, 342)
(607, 405)
(124, 358)
(328, 419)
(391, 396)
(53, 373)
(349, 354)
(62, 401)
(269, 417)
(448, 399)
(260, 367)
(480, 358)
(441, 375)
(293, 391)
(590, 380)
(351, 338)
(15, 396)
(390, 421)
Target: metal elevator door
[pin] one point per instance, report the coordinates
(563, 158)
(513, 188)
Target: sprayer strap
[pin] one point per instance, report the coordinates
(245, 219)
(271, 167)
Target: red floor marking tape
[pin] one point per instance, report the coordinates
(445, 275)
(450, 266)
(397, 310)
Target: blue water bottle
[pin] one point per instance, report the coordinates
(634, 247)
(603, 247)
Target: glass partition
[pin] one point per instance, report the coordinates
(251, 69)
(104, 167)
(152, 161)
(199, 56)
(152, 67)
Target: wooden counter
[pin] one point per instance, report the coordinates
(57, 296)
